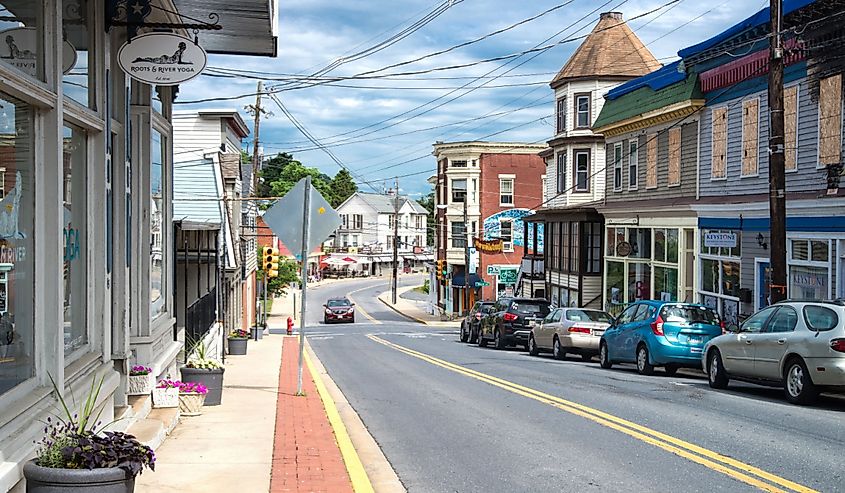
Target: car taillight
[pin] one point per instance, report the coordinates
(579, 330)
(478, 316)
(722, 325)
(509, 317)
(657, 326)
(838, 345)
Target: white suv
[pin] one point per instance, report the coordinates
(797, 345)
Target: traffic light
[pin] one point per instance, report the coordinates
(441, 270)
(270, 261)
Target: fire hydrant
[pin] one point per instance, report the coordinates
(290, 326)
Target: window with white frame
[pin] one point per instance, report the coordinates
(74, 199)
(633, 164)
(561, 114)
(459, 234)
(2, 182)
(809, 268)
(582, 110)
(561, 172)
(506, 191)
(582, 170)
(158, 227)
(459, 190)
(617, 166)
(358, 221)
(506, 234)
(458, 163)
(720, 273)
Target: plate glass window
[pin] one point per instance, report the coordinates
(74, 231)
(21, 26)
(78, 78)
(158, 152)
(17, 354)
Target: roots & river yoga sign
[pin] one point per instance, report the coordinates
(162, 59)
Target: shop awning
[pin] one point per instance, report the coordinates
(249, 27)
(458, 280)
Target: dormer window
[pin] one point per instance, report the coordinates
(582, 110)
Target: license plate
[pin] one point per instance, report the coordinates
(695, 340)
(597, 332)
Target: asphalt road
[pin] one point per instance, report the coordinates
(451, 417)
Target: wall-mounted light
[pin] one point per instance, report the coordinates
(761, 240)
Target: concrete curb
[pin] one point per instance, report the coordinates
(440, 325)
(379, 474)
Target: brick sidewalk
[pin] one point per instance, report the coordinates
(306, 456)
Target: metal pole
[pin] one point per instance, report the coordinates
(306, 225)
(264, 284)
(395, 243)
(466, 259)
(777, 178)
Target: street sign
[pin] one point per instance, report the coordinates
(285, 218)
(492, 270)
(507, 276)
(481, 284)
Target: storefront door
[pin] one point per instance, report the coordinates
(763, 277)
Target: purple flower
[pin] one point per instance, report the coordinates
(140, 370)
(193, 388)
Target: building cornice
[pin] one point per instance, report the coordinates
(665, 114)
(576, 139)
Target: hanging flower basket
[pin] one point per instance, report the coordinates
(141, 380)
(191, 398)
(166, 394)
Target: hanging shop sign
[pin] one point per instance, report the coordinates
(18, 49)
(720, 240)
(162, 59)
(488, 246)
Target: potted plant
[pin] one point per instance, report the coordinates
(256, 332)
(141, 380)
(191, 398)
(201, 368)
(237, 342)
(166, 393)
(77, 455)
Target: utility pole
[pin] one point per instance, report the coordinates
(777, 178)
(256, 111)
(466, 257)
(395, 242)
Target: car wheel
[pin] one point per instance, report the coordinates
(670, 370)
(498, 341)
(353, 319)
(644, 366)
(464, 336)
(533, 350)
(557, 349)
(482, 342)
(798, 385)
(717, 377)
(604, 356)
(586, 358)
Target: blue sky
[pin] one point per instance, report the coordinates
(314, 33)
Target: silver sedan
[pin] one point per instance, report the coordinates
(569, 330)
(799, 346)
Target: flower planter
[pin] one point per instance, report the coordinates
(166, 397)
(212, 379)
(141, 384)
(256, 332)
(191, 404)
(51, 480)
(237, 346)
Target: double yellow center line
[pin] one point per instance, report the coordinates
(726, 465)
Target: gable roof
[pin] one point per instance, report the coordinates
(383, 203)
(611, 50)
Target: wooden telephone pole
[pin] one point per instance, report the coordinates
(256, 111)
(394, 285)
(777, 176)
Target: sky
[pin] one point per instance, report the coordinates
(384, 127)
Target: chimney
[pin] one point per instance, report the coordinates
(611, 15)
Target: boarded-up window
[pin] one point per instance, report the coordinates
(719, 143)
(790, 122)
(750, 146)
(674, 156)
(651, 161)
(830, 120)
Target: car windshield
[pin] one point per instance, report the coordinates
(337, 303)
(587, 316)
(530, 307)
(689, 314)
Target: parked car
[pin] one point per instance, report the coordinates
(659, 333)
(339, 310)
(799, 346)
(570, 330)
(470, 324)
(511, 320)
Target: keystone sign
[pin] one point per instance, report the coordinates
(488, 246)
(161, 59)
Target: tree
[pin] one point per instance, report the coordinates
(342, 187)
(427, 201)
(292, 173)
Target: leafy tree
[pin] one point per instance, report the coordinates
(427, 201)
(292, 173)
(342, 187)
(271, 172)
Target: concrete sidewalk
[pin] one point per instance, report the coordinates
(415, 310)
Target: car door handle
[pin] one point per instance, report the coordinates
(781, 341)
(748, 341)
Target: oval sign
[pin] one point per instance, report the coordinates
(162, 59)
(17, 48)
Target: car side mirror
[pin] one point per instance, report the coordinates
(733, 328)
(353, 304)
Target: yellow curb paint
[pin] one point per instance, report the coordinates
(669, 443)
(357, 474)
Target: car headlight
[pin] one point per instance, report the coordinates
(350, 310)
(328, 311)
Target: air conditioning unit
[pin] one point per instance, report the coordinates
(507, 246)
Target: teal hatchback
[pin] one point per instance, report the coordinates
(659, 333)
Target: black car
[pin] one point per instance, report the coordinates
(470, 325)
(511, 321)
(339, 310)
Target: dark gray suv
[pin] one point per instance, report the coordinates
(511, 320)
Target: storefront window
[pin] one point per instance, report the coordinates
(666, 245)
(666, 283)
(73, 200)
(725, 243)
(640, 240)
(16, 252)
(77, 82)
(730, 278)
(158, 153)
(20, 28)
(710, 275)
(810, 283)
(639, 279)
(615, 283)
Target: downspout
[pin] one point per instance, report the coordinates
(698, 161)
